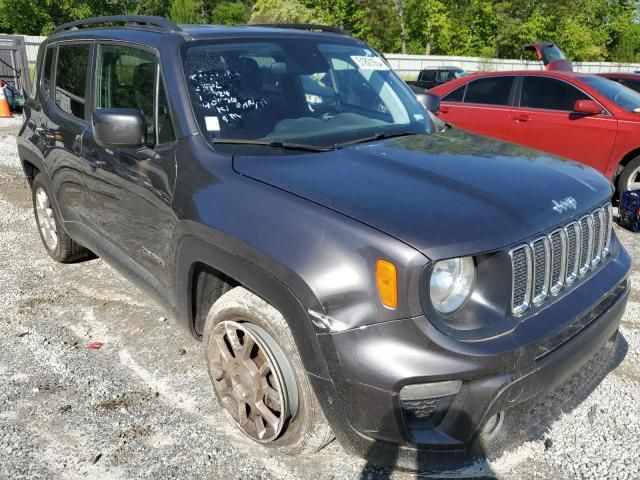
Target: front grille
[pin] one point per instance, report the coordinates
(555, 261)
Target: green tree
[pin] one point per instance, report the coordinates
(186, 11)
(229, 13)
(281, 11)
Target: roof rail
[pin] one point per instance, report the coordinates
(129, 20)
(312, 27)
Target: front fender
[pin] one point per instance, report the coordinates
(193, 250)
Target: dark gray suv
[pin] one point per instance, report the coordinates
(353, 267)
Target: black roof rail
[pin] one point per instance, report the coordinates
(312, 27)
(129, 20)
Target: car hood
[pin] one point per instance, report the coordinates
(448, 194)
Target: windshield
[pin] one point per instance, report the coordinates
(297, 90)
(622, 96)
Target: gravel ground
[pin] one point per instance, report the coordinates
(142, 407)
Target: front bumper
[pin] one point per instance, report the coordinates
(372, 364)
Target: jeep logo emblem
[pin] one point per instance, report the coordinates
(564, 204)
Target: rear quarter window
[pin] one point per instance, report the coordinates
(46, 69)
(456, 96)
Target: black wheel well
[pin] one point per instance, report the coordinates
(30, 170)
(623, 162)
(207, 285)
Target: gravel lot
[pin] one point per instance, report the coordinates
(142, 406)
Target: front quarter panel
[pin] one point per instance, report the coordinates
(326, 259)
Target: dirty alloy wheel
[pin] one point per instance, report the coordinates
(60, 246)
(259, 381)
(252, 379)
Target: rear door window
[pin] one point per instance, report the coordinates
(489, 91)
(549, 94)
(71, 78)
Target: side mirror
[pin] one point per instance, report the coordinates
(429, 101)
(587, 107)
(118, 128)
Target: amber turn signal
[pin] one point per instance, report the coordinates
(387, 282)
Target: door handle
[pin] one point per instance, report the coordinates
(522, 118)
(444, 109)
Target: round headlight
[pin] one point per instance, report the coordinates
(452, 283)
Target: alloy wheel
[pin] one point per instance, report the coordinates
(252, 379)
(633, 183)
(46, 219)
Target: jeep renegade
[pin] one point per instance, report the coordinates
(353, 268)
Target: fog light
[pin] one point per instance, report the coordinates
(424, 405)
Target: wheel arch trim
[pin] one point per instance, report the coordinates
(192, 250)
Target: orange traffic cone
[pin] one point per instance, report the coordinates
(4, 105)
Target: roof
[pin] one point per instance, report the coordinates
(445, 67)
(544, 73)
(620, 75)
(149, 25)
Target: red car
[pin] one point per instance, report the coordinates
(583, 117)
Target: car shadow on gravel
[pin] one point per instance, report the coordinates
(529, 421)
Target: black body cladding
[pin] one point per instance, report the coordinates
(304, 230)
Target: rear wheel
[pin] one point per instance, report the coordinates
(60, 246)
(260, 381)
(629, 179)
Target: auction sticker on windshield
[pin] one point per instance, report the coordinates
(369, 63)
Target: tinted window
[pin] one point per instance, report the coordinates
(126, 78)
(632, 84)
(491, 91)
(456, 95)
(71, 74)
(46, 70)
(428, 75)
(549, 93)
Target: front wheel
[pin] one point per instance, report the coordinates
(258, 377)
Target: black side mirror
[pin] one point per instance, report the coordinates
(118, 128)
(429, 101)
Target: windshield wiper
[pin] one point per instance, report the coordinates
(273, 144)
(378, 136)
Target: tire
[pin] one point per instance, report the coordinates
(60, 246)
(631, 169)
(306, 430)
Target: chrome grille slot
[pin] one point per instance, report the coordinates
(521, 279)
(549, 264)
(608, 220)
(541, 269)
(586, 245)
(558, 242)
(574, 240)
(598, 220)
